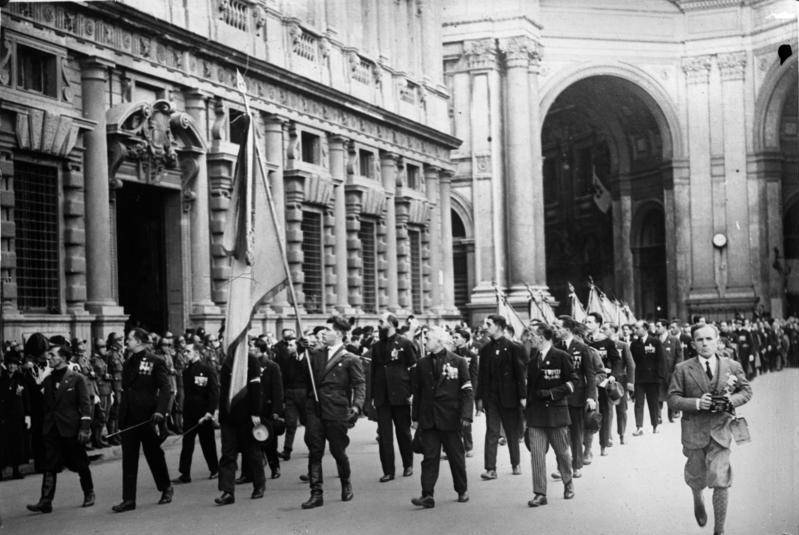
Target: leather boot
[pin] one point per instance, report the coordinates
(346, 490)
(87, 486)
(315, 479)
(45, 504)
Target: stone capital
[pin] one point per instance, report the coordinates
(697, 68)
(94, 68)
(732, 65)
(520, 51)
(337, 142)
(480, 54)
(196, 97)
(445, 177)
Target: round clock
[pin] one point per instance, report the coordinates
(719, 240)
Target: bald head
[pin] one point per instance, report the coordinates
(437, 339)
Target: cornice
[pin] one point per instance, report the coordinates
(524, 18)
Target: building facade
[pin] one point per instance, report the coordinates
(649, 145)
(118, 141)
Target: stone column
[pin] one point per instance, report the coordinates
(622, 252)
(275, 133)
(445, 212)
(354, 203)
(199, 229)
(338, 172)
(386, 22)
(388, 172)
(402, 214)
(536, 175)
(436, 253)
(681, 177)
(671, 240)
(521, 203)
(703, 279)
(100, 299)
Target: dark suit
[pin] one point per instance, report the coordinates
(501, 387)
(235, 419)
(200, 396)
(706, 435)
(470, 354)
(145, 391)
(624, 373)
(294, 373)
(272, 392)
(67, 404)
(443, 402)
(584, 388)
(392, 360)
(550, 379)
(341, 385)
(650, 369)
(672, 355)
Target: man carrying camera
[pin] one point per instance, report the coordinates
(706, 389)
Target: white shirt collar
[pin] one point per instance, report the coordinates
(545, 351)
(333, 349)
(712, 360)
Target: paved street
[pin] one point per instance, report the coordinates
(637, 489)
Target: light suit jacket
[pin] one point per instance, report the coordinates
(689, 383)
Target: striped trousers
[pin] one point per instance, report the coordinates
(540, 439)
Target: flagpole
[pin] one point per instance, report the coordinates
(292, 294)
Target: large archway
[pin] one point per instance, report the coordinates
(789, 144)
(605, 144)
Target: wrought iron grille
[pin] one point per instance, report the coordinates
(36, 217)
(368, 239)
(415, 238)
(313, 284)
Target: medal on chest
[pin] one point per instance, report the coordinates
(200, 380)
(146, 367)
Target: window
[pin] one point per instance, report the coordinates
(368, 238)
(413, 176)
(367, 163)
(37, 71)
(36, 217)
(312, 285)
(415, 237)
(311, 150)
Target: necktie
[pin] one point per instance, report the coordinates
(707, 370)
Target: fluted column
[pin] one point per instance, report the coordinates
(388, 171)
(520, 200)
(338, 174)
(445, 212)
(100, 298)
(199, 230)
(436, 271)
(354, 203)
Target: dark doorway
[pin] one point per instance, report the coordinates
(460, 264)
(141, 255)
(790, 267)
(649, 258)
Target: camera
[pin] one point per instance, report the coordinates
(720, 403)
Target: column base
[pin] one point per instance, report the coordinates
(210, 321)
(108, 308)
(345, 310)
(205, 309)
(707, 302)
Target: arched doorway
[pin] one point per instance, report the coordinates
(462, 259)
(649, 262)
(605, 145)
(789, 144)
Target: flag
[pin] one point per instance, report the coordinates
(577, 310)
(511, 316)
(251, 240)
(540, 309)
(601, 194)
(594, 302)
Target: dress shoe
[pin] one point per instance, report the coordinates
(538, 499)
(469, 453)
(407, 471)
(226, 499)
(243, 480)
(568, 491)
(346, 491)
(699, 510)
(386, 477)
(126, 505)
(43, 506)
(276, 472)
(488, 475)
(517, 470)
(655, 430)
(166, 496)
(621, 439)
(603, 452)
(304, 478)
(180, 480)
(556, 475)
(257, 493)
(588, 458)
(285, 455)
(213, 475)
(425, 501)
(577, 473)
(638, 432)
(315, 500)
(463, 497)
(88, 499)
(502, 441)
(610, 443)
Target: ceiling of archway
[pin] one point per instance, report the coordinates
(607, 108)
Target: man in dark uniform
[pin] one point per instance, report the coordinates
(550, 379)
(15, 419)
(146, 395)
(392, 359)
(443, 405)
(272, 411)
(115, 360)
(500, 393)
(585, 391)
(672, 355)
(624, 374)
(293, 370)
(610, 359)
(104, 384)
(649, 371)
(201, 400)
(237, 418)
(341, 388)
(66, 429)
(461, 340)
